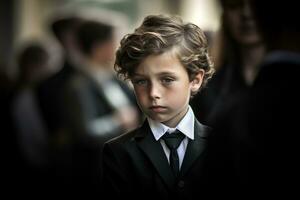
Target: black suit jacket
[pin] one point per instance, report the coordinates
(135, 164)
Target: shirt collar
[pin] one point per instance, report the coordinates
(186, 126)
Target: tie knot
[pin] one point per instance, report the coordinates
(173, 140)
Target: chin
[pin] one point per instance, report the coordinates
(160, 119)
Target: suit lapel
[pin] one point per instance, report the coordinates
(155, 153)
(195, 147)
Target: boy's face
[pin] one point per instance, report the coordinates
(162, 88)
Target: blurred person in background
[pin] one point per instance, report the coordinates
(267, 115)
(99, 106)
(256, 144)
(237, 51)
(50, 91)
(30, 129)
(50, 96)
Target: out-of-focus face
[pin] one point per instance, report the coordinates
(163, 89)
(240, 22)
(103, 53)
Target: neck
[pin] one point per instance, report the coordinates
(172, 123)
(251, 57)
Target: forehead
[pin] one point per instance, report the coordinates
(167, 62)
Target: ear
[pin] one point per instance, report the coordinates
(197, 82)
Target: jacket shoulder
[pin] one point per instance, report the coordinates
(202, 130)
(124, 138)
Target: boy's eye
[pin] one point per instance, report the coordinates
(139, 82)
(167, 80)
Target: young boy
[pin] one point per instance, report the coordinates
(167, 61)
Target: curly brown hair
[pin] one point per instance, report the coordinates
(159, 34)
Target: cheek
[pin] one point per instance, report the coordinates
(233, 24)
(140, 95)
(232, 18)
(179, 95)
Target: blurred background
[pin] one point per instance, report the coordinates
(23, 20)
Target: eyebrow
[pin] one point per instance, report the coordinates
(159, 74)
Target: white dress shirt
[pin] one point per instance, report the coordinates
(186, 126)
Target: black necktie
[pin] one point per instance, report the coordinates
(173, 141)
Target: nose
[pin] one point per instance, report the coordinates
(154, 91)
(246, 9)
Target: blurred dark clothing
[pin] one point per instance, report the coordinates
(11, 156)
(50, 95)
(32, 136)
(256, 146)
(222, 90)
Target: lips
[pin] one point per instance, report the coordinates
(158, 108)
(248, 27)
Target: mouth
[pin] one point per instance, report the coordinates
(248, 27)
(158, 108)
